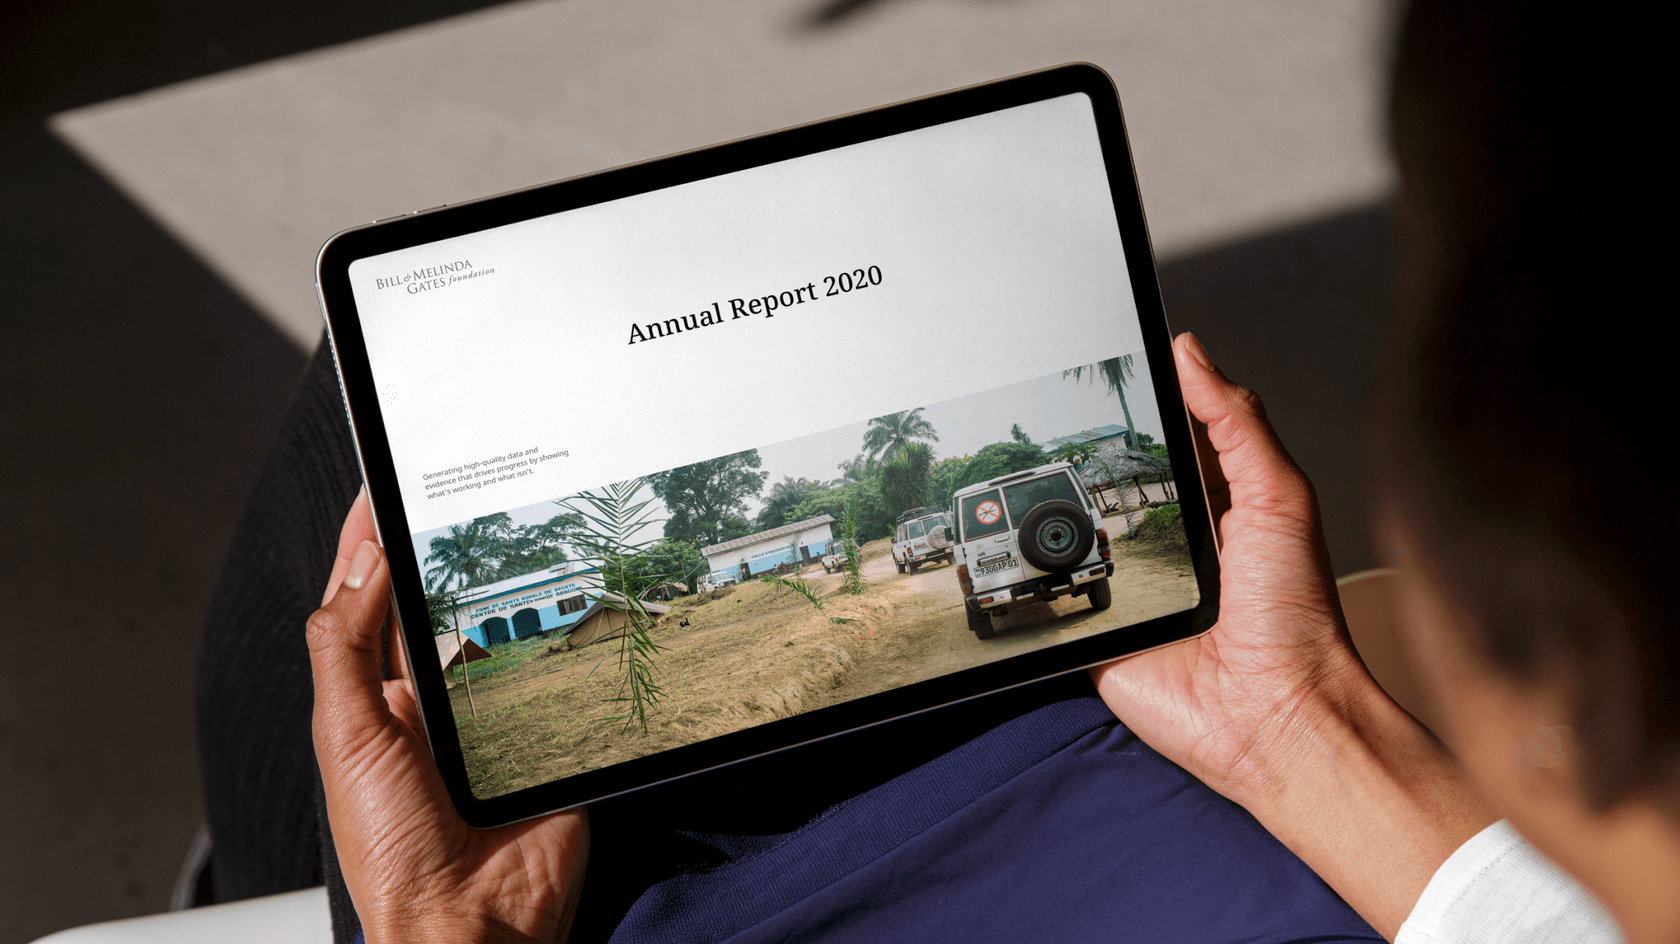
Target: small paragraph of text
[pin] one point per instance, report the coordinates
(483, 473)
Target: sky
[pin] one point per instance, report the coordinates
(1046, 408)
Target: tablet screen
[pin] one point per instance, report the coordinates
(689, 461)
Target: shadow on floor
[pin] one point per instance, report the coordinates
(140, 393)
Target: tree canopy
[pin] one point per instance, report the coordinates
(469, 554)
(668, 560)
(784, 495)
(904, 478)
(535, 547)
(886, 435)
(949, 475)
(708, 500)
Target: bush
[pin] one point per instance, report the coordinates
(1160, 530)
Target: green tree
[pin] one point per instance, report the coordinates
(612, 518)
(904, 478)
(886, 435)
(853, 582)
(669, 560)
(784, 495)
(470, 554)
(944, 478)
(1020, 435)
(999, 459)
(1116, 373)
(535, 547)
(864, 498)
(708, 500)
(856, 469)
(1077, 453)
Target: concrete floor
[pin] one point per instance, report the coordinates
(161, 231)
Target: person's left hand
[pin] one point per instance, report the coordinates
(414, 868)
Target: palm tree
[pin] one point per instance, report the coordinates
(470, 554)
(1115, 372)
(904, 479)
(855, 469)
(888, 434)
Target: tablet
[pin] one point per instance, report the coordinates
(688, 461)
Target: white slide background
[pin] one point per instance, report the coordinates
(1001, 261)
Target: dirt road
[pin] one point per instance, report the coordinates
(929, 634)
(755, 653)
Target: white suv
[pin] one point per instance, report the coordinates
(1028, 537)
(923, 536)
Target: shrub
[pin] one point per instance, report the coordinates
(1161, 531)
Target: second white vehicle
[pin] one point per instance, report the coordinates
(923, 537)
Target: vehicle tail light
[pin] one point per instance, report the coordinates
(1102, 544)
(963, 580)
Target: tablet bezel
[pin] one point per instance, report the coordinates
(379, 472)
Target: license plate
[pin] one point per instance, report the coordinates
(995, 567)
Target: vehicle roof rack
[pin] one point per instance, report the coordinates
(918, 513)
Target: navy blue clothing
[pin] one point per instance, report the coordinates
(1059, 825)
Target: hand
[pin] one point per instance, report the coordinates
(1216, 704)
(1273, 707)
(415, 870)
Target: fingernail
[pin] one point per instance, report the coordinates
(1193, 347)
(361, 566)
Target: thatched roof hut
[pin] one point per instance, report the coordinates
(1122, 470)
(1115, 465)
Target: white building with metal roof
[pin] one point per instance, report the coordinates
(744, 558)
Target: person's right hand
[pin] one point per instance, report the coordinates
(1216, 704)
(1272, 707)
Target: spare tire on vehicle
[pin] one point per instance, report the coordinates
(939, 537)
(1055, 535)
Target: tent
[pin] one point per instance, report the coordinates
(450, 652)
(605, 619)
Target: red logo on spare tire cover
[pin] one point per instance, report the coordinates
(987, 512)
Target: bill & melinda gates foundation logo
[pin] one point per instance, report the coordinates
(433, 277)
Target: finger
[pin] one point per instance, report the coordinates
(344, 647)
(1237, 427)
(358, 527)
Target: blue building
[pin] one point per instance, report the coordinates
(541, 602)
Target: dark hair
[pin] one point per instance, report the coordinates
(1526, 411)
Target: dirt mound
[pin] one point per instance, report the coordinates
(825, 672)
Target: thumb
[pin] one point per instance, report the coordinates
(344, 650)
(1249, 449)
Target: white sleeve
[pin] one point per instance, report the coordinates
(1496, 889)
